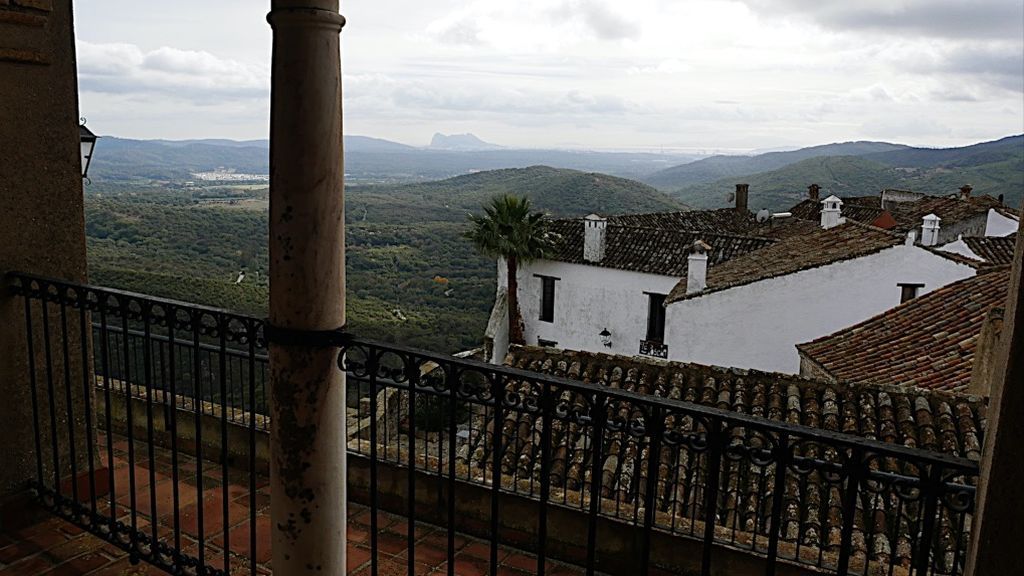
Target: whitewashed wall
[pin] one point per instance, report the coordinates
(588, 299)
(759, 325)
(999, 225)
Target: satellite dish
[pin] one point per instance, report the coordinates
(763, 215)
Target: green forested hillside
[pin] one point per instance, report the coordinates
(718, 167)
(411, 276)
(557, 191)
(861, 176)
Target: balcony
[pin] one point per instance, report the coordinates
(451, 458)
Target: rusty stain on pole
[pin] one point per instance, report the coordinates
(307, 288)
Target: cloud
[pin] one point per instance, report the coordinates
(551, 24)
(189, 75)
(994, 66)
(982, 19)
(604, 23)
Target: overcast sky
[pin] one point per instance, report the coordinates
(704, 75)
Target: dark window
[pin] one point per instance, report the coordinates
(655, 317)
(546, 343)
(547, 299)
(909, 291)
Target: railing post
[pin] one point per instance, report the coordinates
(307, 289)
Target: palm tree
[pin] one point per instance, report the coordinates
(509, 229)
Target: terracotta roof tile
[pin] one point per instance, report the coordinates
(908, 215)
(937, 421)
(650, 250)
(853, 208)
(927, 342)
(993, 249)
(721, 221)
(793, 254)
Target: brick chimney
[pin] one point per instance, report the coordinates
(697, 267)
(965, 192)
(594, 235)
(831, 212)
(930, 230)
(812, 191)
(742, 191)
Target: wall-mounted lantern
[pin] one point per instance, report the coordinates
(88, 140)
(606, 338)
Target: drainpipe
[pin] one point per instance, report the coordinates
(307, 290)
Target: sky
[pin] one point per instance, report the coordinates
(683, 75)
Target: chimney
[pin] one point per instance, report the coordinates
(930, 230)
(594, 233)
(830, 212)
(965, 192)
(697, 267)
(742, 190)
(812, 191)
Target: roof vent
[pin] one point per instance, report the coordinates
(930, 230)
(697, 267)
(595, 230)
(831, 210)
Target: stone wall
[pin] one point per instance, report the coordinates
(41, 210)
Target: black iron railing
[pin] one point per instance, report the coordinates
(717, 480)
(106, 367)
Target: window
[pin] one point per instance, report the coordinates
(547, 343)
(655, 317)
(547, 298)
(909, 291)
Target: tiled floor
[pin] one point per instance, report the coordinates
(33, 542)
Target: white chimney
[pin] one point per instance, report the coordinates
(930, 230)
(911, 238)
(594, 234)
(697, 268)
(830, 212)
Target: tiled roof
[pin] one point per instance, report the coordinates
(861, 212)
(928, 342)
(793, 254)
(721, 221)
(908, 215)
(651, 250)
(997, 250)
(930, 420)
(1008, 212)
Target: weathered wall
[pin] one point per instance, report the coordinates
(974, 226)
(997, 530)
(588, 299)
(759, 325)
(41, 213)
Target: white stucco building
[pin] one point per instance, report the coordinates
(723, 287)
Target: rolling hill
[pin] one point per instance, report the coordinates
(717, 167)
(990, 169)
(558, 191)
(405, 250)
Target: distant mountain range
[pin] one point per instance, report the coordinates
(776, 178)
(367, 160)
(995, 168)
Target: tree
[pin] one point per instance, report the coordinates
(510, 229)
